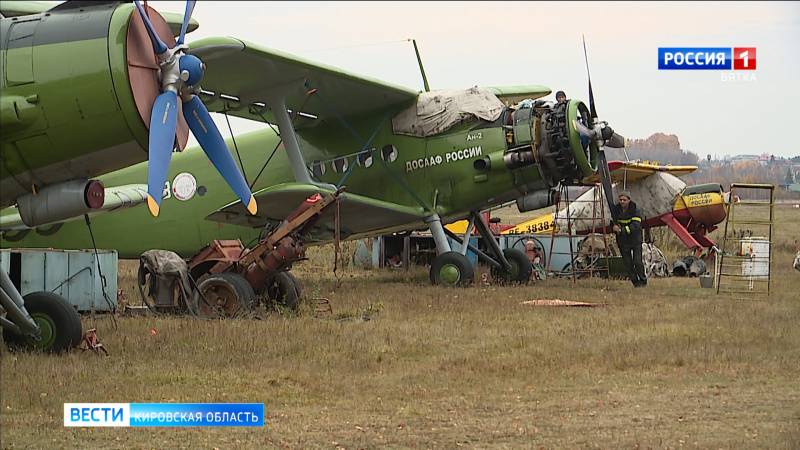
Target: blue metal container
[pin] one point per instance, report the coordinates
(73, 274)
(471, 256)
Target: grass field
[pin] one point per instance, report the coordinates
(400, 363)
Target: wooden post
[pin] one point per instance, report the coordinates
(406, 252)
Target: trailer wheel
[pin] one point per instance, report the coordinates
(59, 324)
(284, 289)
(223, 295)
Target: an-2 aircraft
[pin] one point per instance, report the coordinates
(408, 160)
(87, 87)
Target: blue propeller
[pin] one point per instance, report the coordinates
(180, 75)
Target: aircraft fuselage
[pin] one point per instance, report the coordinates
(468, 168)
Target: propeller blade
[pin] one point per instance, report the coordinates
(611, 138)
(207, 134)
(592, 110)
(163, 121)
(158, 45)
(187, 15)
(605, 180)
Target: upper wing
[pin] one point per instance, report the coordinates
(357, 214)
(23, 8)
(514, 94)
(627, 171)
(116, 197)
(243, 76)
(175, 20)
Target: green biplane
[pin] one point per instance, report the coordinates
(407, 160)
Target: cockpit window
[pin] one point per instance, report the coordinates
(365, 159)
(340, 165)
(318, 168)
(389, 153)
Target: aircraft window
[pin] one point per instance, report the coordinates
(340, 165)
(318, 168)
(365, 159)
(389, 153)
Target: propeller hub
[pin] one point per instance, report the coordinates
(191, 68)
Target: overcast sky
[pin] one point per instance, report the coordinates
(490, 44)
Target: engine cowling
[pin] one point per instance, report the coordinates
(78, 83)
(536, 200)
(61, 201)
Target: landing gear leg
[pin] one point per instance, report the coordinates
(514, 266)
(449, 268)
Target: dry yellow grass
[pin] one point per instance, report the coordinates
(668, 366)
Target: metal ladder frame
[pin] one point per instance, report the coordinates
(597, 200)
(726, 239)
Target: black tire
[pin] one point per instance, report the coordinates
(452, 269)
(284, 290)
(58, 320)
(219, 291)
(521, 267)
(248, 294)
(297, 285)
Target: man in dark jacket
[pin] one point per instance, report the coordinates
(627, 224)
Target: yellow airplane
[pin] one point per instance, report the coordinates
(691, 212)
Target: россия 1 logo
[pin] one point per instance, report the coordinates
(706, 58)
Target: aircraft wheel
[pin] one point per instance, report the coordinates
(223, 295)
(521, 267)
(59, 325)
(284, 290)
(452, 269)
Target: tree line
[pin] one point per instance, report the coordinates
(665, 149)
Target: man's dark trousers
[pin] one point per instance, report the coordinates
(632, 257)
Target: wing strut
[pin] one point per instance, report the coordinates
(278, 105)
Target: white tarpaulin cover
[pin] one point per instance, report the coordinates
(437, 111)
(654, 195)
